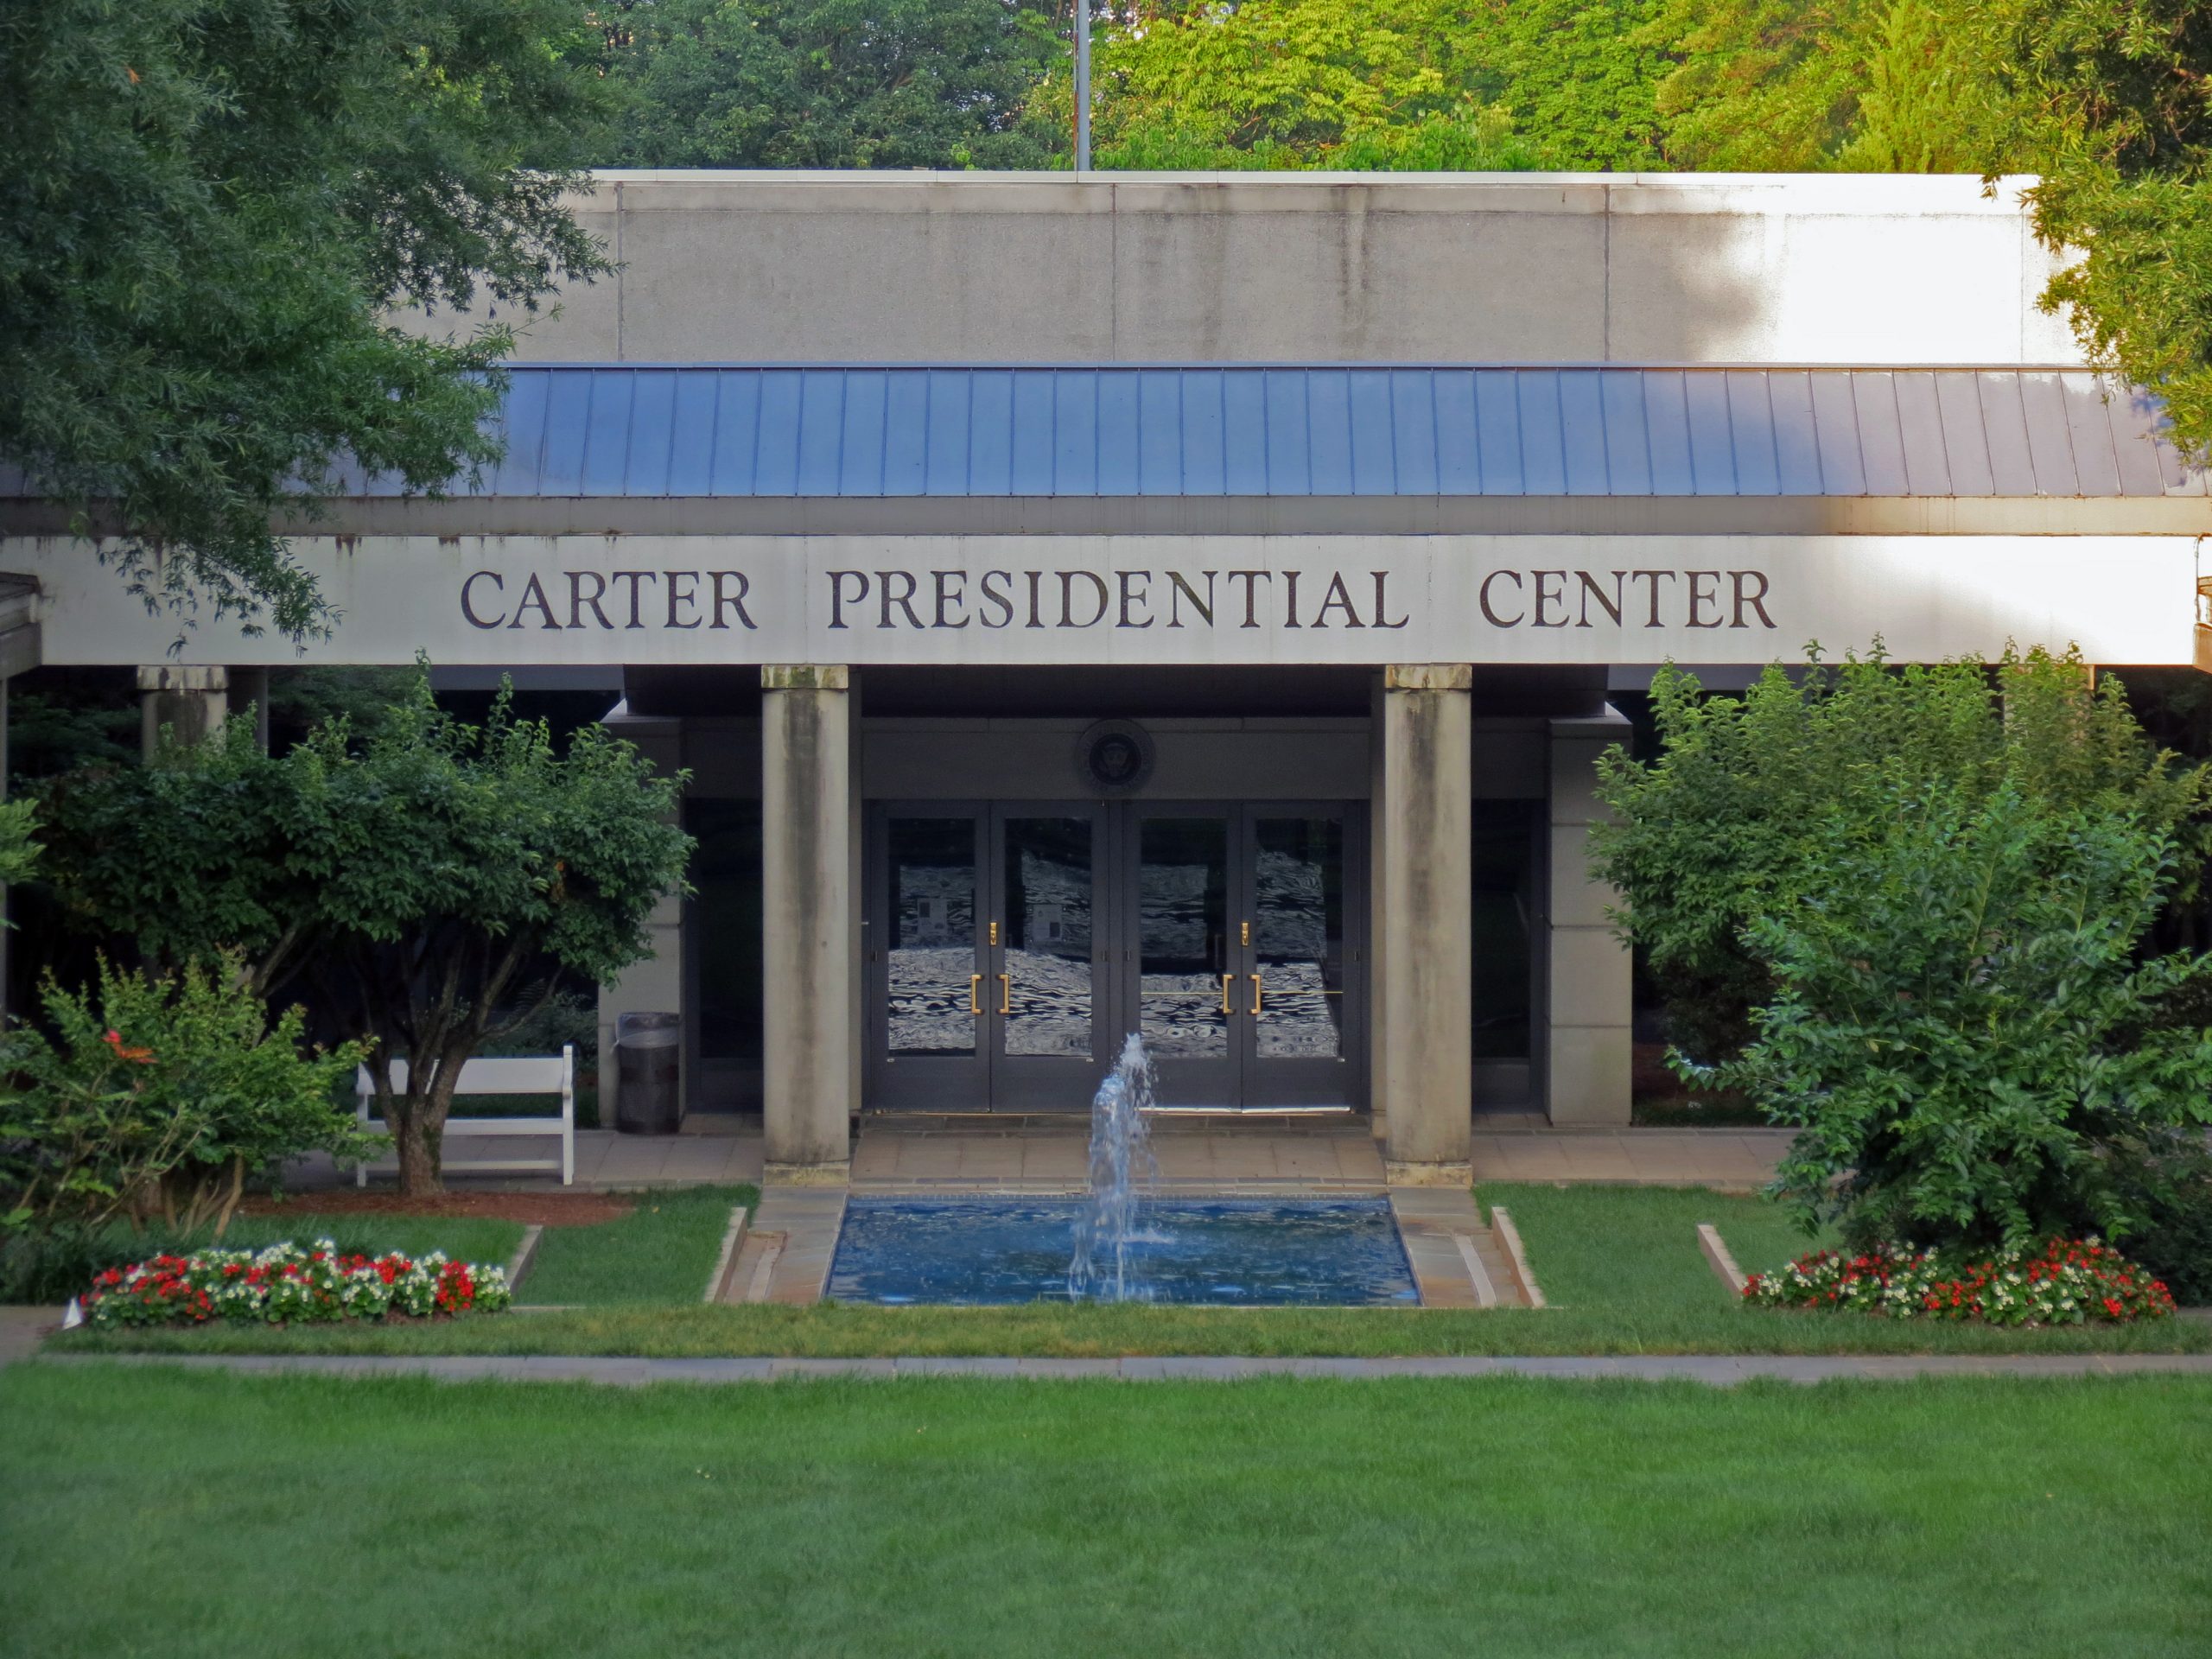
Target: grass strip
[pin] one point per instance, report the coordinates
(153, 1511)
(1620, 1264)
(661, 1252)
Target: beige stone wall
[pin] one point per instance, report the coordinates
(1521, 268)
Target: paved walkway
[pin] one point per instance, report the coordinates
(1456, 1261)
(1717, 1370)
(1531, 1150)
(720, 1155)
(921, 1154)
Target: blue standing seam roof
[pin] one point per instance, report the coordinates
(680, 431)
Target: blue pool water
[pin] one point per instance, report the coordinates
(1221, 1252)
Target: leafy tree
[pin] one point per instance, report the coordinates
(1717, 832)
(1274, 84)
(1956, 1027)
(208, 210)
(2108, 101)
(432, 881)
(2114, 104)
(1582, 77)
(1804, 86)
(826, 83)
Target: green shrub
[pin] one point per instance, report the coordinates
(160, 1096)
(1719, 830)
(1958, 1025)
(2166, 1180)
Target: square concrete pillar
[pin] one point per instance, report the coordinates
(811, 920)
(1378, 1051)
(1424, 837)
(1588, 1004)
(655, 984)
(191, 703)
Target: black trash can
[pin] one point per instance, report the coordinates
(646, 1101)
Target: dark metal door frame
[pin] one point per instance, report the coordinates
(944, 1082)
(988, 1079)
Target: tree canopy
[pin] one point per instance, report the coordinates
(826, 83)
(210, 206)
(1364, 85)
(430, 879)
(2109, 102)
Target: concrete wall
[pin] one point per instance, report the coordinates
(1315, 268)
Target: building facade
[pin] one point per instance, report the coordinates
(1191, 605)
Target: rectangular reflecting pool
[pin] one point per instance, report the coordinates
(1219, 1252)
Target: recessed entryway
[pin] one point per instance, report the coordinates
(1012, 945)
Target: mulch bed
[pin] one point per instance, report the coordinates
(543, 1209)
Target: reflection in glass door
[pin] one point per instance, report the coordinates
(1245, 954)
(1185, 987)
(931, 976)
(1011, 946)
(985, 959)
(1047, 1031)
(1298, 1042)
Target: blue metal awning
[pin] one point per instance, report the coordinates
(626, 431)
(632, 431)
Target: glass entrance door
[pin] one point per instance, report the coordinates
(1245, 954)
(985, 957)
(1011, 945)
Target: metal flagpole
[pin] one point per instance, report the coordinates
(1083, 86)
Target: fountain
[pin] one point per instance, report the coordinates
(1121, 1170)
(1127, 1244)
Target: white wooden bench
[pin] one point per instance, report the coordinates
(531, 1075)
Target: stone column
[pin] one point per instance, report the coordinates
(191, 701)
(1378, 1000)
(1587, 1012)
(809, 918)
(655, 984)
(1424, 835)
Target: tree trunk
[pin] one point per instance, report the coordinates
(231, 1195)
(419, 1173)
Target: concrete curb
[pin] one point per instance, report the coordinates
(526, 1256)
(1717, 1258)
(1715, 1370)
(733, 1235)
(1500, 1223)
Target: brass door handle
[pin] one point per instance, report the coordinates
(975, 1003)
(1256, 993)
(1005, 993)
(1227, 980)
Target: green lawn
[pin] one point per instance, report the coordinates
(1620, 1265)
(663, 1251)
(181, 1515)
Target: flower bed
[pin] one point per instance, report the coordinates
(2068, 1281)
(287, 1283)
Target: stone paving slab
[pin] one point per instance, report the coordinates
(606, 1162)
(1047, 1155)
(1717, 1370)
(1626, 1157)
(806, 1218)
(1447, 1245)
